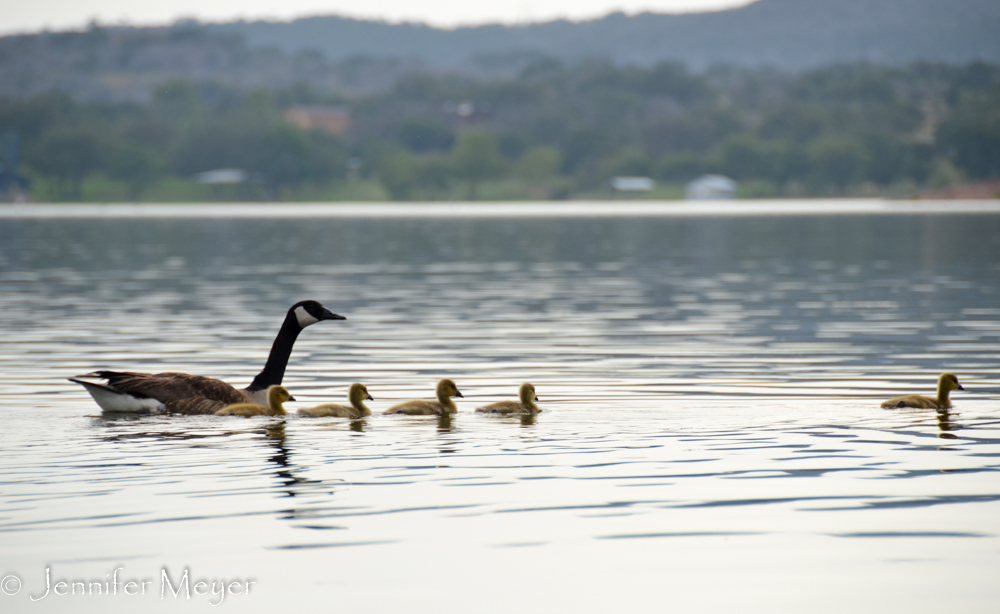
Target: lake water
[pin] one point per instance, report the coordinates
(711, 377)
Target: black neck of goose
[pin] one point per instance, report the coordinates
(277, 360)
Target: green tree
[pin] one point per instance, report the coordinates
(539, 163)
(746, 157)
(629, 161)
(67, 155)
(682, 166)
(136, 167)
(425, 135)
(838, 161)
(275, 154)
(396, 170)
(972, 135)
(476, 158)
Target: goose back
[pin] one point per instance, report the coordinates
(180, 393)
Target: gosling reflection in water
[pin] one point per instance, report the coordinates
(445, 423)
(946, 425)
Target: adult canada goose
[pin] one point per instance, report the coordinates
(192, 394)
(444, 405)
(357, 393)
(276, 397)
(946, 383)
(526, 404)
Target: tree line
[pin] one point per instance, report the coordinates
(552, 130)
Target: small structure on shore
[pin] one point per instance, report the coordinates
(711, 187)
(222, 176)
(632, 184)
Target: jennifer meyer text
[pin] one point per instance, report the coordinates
(116, 584)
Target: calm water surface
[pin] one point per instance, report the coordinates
(712, 439)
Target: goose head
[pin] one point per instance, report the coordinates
(308, 313)
(358, 394)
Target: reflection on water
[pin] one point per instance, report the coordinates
(710, 386)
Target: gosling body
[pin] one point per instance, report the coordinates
(525, 405)
(276, 397)
(357, 394)
(446, 389)
(946, 383)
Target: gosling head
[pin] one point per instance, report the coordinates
(276, 395)
(358, 393)
(449, 388)
(948, 381)
(308, 313)
(527, 393)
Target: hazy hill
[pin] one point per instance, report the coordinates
(351, 58)
(789, 34)
(124, 63)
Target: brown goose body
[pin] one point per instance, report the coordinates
(276, 397)
(357, 393)
(946, 383)
(182, 393)
(446, 389)
(524, 405)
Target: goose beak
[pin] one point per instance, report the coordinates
(370, 397)
(291, 398)
(329, 315)
(459, 394)
(960, 387)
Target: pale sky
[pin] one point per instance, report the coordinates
(19, 16)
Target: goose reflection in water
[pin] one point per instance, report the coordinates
(157, 428)
(291, 484)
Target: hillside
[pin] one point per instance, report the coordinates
(124, 64)
(348, 58)
(788, 34)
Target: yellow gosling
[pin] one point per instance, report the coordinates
(444, 405)
(276, 397)
(526, 405)
(357, 393)
(946, 383)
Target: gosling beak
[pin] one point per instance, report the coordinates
(370, 398)
(329, 315)
(538, 398)
(960, 387)
(459, 394)
(291, 398)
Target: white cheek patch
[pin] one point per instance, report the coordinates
(304, 318)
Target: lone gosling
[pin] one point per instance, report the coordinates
(946, 383)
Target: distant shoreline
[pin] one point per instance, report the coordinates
(796, 207)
